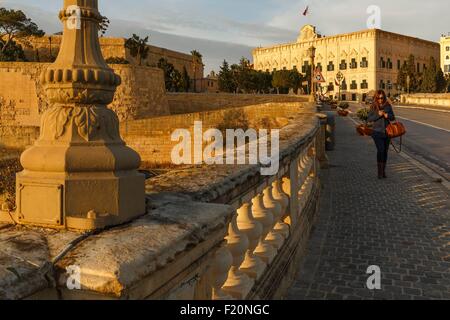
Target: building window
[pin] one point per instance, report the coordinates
(418, 67)
(399, 64)
(305, 67)
(447, 68)
(382, 63)
(330, 66)
(447, 49)
(353, 64)
(389, 63)
(344, 85)
(353, 85)
(364, 63)
(447, 57)
(364, 84)
(343, 65)
(331, 86)
(382, 85)
(319, 66)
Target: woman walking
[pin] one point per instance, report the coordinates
(381, 113)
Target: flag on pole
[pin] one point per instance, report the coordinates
(305, 13)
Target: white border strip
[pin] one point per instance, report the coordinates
(424, 124)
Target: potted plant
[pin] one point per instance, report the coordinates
(342, 109)
(364, 129)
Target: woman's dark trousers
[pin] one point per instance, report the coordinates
(382, 144)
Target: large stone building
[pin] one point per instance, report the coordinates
(369, 59)
(445, 54)
(46, 48)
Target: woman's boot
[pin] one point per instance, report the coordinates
(384, 170)
(380, 170)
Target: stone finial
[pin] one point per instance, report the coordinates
(80, 164)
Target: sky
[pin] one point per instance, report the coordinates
(230, 29)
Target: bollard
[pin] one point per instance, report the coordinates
(330, 133)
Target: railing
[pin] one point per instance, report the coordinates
(262, 225)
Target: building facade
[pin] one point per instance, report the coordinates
(368, 59)
(445, 54)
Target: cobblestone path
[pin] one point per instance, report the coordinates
(401, 224)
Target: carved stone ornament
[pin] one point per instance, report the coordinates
(80, 159)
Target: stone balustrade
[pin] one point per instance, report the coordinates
(210, 232)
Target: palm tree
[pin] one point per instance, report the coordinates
(138, 47)
(196, 57)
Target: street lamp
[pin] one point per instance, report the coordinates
(340, 78)
(312, 55)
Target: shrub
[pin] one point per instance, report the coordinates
(363, 114)
(117, 60)
(234, 119)
(344, 105)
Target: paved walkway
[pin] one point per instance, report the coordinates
(401, 224)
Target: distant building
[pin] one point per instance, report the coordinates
(369, 59)
(210, 84)
(445, 54)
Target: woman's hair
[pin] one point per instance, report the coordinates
(376, 105)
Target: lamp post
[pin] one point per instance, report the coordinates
(80, 174)
(339, 78)
(408, 82)
(312, 55)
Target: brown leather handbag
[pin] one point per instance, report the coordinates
(395, 129)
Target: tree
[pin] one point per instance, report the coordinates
(409, 69)
(196, 59)
(433, 78)
(168, 69)
(281, 81)
(15, 26)
(104, 25)
(185, 80)
(138, 47)
(226, 81)
(242, 76)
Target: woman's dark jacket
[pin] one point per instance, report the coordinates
(380, 123)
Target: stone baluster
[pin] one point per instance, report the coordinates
(253, 266)
(283, 200)
(289, 186)
(219, 273)
(238, 284)
(275, 238)
(264, 250)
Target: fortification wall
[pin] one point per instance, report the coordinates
(141, 95)
(151, 138)
(181, 103)
(438, 99)
(45, 49)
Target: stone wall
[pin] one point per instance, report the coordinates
(45, 49)
(181, 103)
(438, 99)
(141, 95)
(151, 138)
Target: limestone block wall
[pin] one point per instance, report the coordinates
(427, 99)
(46, 48)
(141, 95)
(180, 103)
(151, 138)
